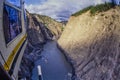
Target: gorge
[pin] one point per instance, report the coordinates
(91, 43)
(43, 30)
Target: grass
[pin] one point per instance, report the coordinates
(95, 9)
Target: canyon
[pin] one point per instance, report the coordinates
(90, 43)
(40, 29)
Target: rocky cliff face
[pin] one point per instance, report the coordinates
(50, 24)
(93, 44)
(43, 27)
(39, 30)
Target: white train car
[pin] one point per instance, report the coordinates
(12, 37)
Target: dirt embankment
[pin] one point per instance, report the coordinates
(93, 44)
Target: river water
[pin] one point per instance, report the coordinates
(53, 64)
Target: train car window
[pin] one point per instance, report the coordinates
(14, 2)
(11, 23)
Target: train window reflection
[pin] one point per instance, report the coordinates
(11, 23)
(14, 2)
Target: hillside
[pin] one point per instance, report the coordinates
(51, 24)
(93, 44)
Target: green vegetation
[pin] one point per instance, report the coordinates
(95, 9)
(101, 8)
(82, 11)
(62, 28)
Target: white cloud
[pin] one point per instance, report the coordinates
(61, 9)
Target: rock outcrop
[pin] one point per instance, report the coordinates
(93, 44)
(38, 33)
(50, 24)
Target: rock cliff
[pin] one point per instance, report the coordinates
(93, 44)
(39, 30)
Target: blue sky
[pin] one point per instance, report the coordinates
(59, 9)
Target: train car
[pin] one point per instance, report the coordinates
(12, 37)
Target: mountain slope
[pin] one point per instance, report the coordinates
(93, 44)
(54, 26)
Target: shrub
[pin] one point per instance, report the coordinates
(62, 28)
(101, 8)
(95, 9)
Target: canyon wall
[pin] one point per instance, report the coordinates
(93, 45)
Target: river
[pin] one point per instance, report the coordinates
(53, 64)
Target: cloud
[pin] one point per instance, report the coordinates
(60, 9)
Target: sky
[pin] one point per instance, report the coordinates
(59, 9)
